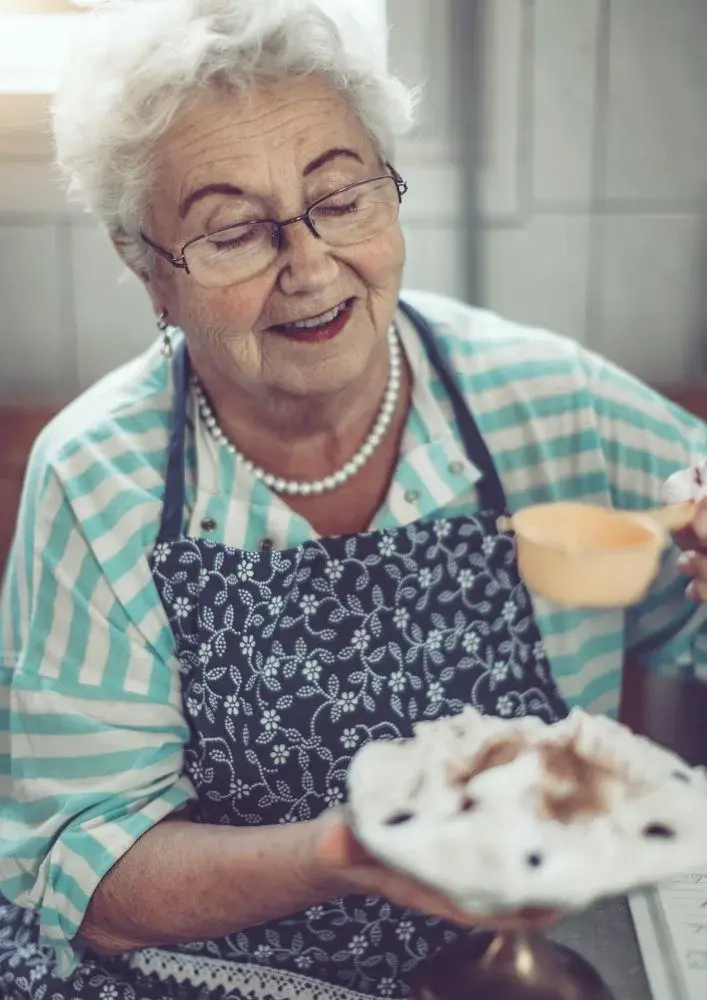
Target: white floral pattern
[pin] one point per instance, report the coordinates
(290, 661)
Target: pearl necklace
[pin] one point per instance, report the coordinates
(294, 487)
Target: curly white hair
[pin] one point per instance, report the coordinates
(141, 62)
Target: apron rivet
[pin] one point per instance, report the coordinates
(208, 524)
(411, 496)
(266, 545)
(456, 468)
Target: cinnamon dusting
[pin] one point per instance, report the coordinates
(497, 752)
(573, 786)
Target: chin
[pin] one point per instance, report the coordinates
(315, 369)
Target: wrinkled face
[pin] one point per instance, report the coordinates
(271, 155)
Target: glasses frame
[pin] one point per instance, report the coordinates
(179, 260)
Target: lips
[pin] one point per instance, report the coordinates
(314, 320)
(315, 328)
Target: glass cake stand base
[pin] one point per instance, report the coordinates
(515, 965)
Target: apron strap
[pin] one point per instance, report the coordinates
(173, 506)
(490, 488)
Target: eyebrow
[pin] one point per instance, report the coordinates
(331, 154)
(235, 192)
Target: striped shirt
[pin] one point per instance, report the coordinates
(91, 722)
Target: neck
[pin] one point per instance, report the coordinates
(304, 439)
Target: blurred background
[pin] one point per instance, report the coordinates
(558, 175)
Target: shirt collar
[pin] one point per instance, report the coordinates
(433, 470)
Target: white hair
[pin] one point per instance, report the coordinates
(141, 62)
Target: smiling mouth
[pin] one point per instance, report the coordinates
(314, 321)
(321, 327)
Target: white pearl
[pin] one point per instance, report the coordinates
(292, 487)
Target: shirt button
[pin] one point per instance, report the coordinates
(266, 545)
(412, 496)
(208, 524)
(456, 468)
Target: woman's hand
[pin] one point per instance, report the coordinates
(356, 872)
(693, 561)
(690, 486)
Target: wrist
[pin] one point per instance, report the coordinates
(336, 853)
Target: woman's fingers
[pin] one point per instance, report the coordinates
(410, 894)
(693, 561)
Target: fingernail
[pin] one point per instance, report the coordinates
(699, 525)
(691, 592)
(685, 562)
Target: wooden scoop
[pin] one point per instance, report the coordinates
(581, 555)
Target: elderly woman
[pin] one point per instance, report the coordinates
(273, 536)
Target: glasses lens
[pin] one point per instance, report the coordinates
(231, 255)
(358, 212)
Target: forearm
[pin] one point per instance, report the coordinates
(185, 881)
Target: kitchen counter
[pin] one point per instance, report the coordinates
(605, 936)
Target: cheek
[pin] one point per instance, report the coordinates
(233, 311)
(380, 263)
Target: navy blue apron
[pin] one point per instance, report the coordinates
(290, 661)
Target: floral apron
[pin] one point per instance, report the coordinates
(290, 661)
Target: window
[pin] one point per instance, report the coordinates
(33, 51)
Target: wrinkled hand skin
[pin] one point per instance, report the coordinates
(360, 873)
(684, 486)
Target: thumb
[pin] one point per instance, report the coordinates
(699, 520)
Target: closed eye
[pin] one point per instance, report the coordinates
(234, 239)
(336, 210)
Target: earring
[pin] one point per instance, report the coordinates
(163, 326)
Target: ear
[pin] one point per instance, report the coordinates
(120, 245)
(147, 279)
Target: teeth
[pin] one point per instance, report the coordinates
(328, 317)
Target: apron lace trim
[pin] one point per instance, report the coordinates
(256, 982)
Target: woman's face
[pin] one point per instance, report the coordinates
(270, 155)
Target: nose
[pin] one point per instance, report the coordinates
(307, 264)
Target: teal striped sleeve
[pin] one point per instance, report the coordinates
(646, 438)
(91, 725)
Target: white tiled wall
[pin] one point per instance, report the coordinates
(607, 242)
(537, 273)
(563, 36)
(68, 312)
(657, 90)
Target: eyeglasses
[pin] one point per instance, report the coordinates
(350, 215)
